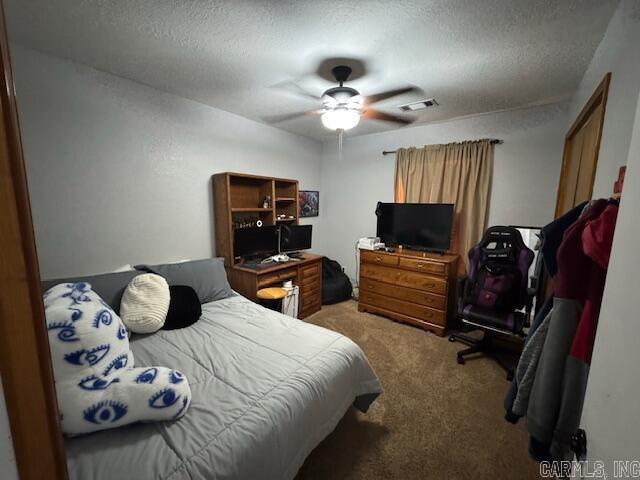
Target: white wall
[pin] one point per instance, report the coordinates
(525, 179)
(8, 469)
(611, 410)
(618, 53)
(121, 173)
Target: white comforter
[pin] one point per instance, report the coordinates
(266, 390)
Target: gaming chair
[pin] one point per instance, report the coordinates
(495, 292)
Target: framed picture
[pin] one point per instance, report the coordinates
(309, 201)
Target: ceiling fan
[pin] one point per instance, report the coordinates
(343, 106)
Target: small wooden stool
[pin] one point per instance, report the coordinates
(271, 297)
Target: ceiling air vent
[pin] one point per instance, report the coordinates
(412, 107)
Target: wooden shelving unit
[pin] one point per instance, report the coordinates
(250, 210)
(239, 197)
(286, 199)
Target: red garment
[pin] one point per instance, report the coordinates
(584, 257)
(597, 238)
(574, 267)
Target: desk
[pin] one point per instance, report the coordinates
(306, 272)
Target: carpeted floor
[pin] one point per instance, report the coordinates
(435, 420)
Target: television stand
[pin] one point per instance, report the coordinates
(409, 286)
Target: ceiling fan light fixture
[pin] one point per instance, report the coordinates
(340, 118)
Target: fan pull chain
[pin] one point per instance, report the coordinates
(340, 133)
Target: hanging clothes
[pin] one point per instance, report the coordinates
(551, 237)
(526, 367)
(557, 394)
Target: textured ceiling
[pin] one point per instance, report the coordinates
(473, 56)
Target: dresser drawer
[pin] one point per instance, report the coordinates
(379, 258)
(404, 278)
(420, 265)
(404, 293)
(277, 277)
(311, 270)
(427, 314)
(309, 283)
(308, 298)
(307, 310)
(309, 303)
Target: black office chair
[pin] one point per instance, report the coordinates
(495, 293)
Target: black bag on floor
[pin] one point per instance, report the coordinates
(336, 286)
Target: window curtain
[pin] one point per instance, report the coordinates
(458, 173)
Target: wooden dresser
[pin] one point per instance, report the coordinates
(305, 272)
(409, 286)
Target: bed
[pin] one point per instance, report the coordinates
(266, 390)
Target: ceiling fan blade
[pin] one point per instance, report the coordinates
(289, 116)
(378, 97)
(293, 87)
(378, 115)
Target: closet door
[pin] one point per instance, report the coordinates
(570, 172)
(581, 147)
(589, 155)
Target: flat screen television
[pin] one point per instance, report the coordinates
(255, 241)
(294, 238)
(421, 226)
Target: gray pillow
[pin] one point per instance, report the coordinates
(110, 286)
(207, 277)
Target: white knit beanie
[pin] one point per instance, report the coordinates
(145, 303)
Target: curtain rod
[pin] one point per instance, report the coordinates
(493, 141)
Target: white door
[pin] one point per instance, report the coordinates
(611, 413)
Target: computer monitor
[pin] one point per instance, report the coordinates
(294, 238)
(255, 241)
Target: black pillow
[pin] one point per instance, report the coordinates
(184, 307)
(207, 277)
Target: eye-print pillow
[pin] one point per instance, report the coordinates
(96, 383)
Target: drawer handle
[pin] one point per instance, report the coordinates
(420, 265)
(378, 259)
(370, 287)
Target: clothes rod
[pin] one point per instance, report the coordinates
(494, 141)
